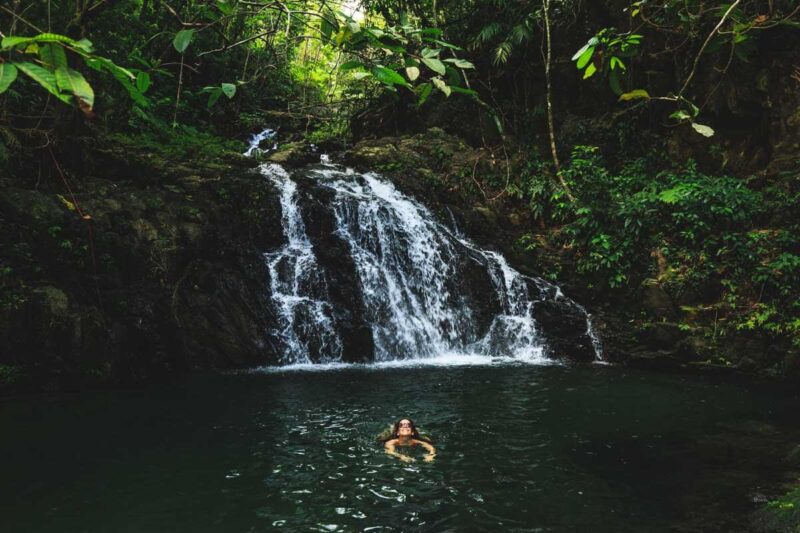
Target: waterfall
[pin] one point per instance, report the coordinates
(426, 291)
(411, 271)
(256, 139)
(298, 286)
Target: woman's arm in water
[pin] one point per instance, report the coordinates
(429, 447)
(389, 446)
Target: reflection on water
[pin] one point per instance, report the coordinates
(520, 448)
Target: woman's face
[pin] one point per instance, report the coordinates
(404, 428)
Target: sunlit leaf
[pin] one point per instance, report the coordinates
(634, 95)
(434, 64)
(350, 65)
(412, 73)
(590, 70)
(460, 63)
(584, 58)
(442, 86)
(703, 130)
(388, 76)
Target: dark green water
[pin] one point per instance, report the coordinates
(521, 448)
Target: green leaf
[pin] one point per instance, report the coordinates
(446, 44)
(84, 45)
(580, 52)
(617, 63)
(143, 82)
(680, 115)
(8, 73)
(43, 77)
(613, 82)
(584, 58)
(214, 96)
(228, 89)
(10, 42)
(388, 76)
(424, 92)
(361, 75)
(634, 95)
(434, 64)
(703, 130)
(442, 86)
(412, 73)
(182, 40)
(350, 65)
(462, 90)
(124, 76)
(671, 196)
(460, 63)
(73, 82)
(590, 70)
(430, 52)
(14, 41)
(53, 56)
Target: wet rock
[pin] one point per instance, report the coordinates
(564, 328)
(333, 254)
(293, 155)
(223, 315)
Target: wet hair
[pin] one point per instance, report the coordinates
(395, 428)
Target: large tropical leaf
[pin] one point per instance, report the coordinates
(43, 77)
(8, 73)
(53, 56)
(72, 81)
(388, 76)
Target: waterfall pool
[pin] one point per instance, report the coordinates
(521, 448)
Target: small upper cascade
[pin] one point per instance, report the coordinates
(254, 143)
(297, 285)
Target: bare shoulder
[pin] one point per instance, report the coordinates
(390, 442)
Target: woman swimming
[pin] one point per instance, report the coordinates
(404, 433)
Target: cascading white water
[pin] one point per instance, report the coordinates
(409, 273)
(407, 267)
(404, 264)
(256, 140)
(297, 284)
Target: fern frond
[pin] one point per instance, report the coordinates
(502, 52)
(488, 32)
(520, 33)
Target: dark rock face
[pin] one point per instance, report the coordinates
(564, 328)
(178, 280)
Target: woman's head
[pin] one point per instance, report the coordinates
(405, 428)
